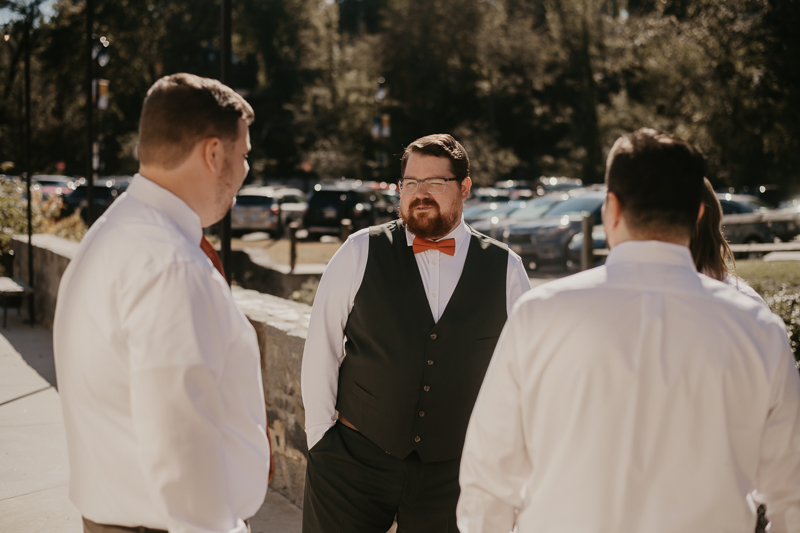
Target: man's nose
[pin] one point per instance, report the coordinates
(422, 190)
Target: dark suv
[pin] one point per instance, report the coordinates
(328, 205)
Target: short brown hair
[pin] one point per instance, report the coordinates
(182, 109)
(658, 180)
(439, 145)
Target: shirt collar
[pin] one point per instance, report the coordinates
(651, 252)
(161, 199)
(460, 233)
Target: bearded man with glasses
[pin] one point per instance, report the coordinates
(404, 324)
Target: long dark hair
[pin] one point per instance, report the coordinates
(710, 250)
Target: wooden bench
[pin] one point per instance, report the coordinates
(12, 288)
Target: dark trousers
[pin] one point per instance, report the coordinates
(93, 527)
(352, 486)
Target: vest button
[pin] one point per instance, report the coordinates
(433, 336)
(422, 413)
(426, 388)
(430, 362)
(417, 439)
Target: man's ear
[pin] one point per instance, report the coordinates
(213, 155)
(612, 211)
(466, 185)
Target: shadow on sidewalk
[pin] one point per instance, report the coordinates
(34, 344)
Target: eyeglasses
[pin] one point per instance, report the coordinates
(432, 185)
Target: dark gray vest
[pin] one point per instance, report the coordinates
(406, 382)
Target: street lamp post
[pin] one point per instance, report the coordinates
(28, 22)
(225, 77)
(89, 113)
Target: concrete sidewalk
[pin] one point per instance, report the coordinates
(34, 471)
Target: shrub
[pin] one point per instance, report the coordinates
(779, 284)
(45, 215)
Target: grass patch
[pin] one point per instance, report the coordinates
(769, 277)
(779, 284)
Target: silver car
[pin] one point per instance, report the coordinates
(256, 209)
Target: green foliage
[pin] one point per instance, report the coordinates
(779, 284)
(12, 212)
(532, 86)
(785, 304)
(45, 215)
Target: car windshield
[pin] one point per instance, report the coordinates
(533, 209)
(576, 206)
(475, 209)
(493, 210)
(251, 200)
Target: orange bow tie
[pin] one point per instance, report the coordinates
(446, 246)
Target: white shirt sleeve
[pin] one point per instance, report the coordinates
(494, 463)
(324, 348)
(177, 410)
(517, 281)
(778, 476)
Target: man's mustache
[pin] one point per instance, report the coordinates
(423, 201)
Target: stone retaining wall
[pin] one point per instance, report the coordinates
(51, 255)
(252, 268)
(281, 326)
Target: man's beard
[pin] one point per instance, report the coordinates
(428, 227)
(225, 186)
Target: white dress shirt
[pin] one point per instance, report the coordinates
(637, 396)
(324, 348)
(741, 286)
(159, 375)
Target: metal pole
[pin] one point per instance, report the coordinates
(89, 113)
(225, 77)
(28, 23)
(293, 226)
(587, 251)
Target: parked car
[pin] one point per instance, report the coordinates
(523, 212)
(489, 210)
(328, 205)
(550, 184)
(55, 185)
(785, 221)
(517, 189)
(483, 195)
(256, 209)
(544, 241)
(743, 219)
(105, 192)
(575, 248)
(292, 203)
